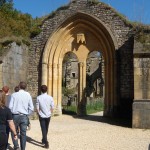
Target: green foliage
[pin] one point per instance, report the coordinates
(3, 2)
(94, 107)
(70, 110)
(6, 41)
(68, 92)
(63, 7)
(93, 2)
(34, 31)
(53, 13)
(15, 23)
(142, 35)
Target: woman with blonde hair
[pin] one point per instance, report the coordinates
(5, 116)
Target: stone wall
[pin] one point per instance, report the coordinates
(14, 65)
(112, 21)
(141, 104)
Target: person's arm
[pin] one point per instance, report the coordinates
(11, 123)
(10, 106)
(31, 107)
(52, 105)
(13, 129)
(37, 106)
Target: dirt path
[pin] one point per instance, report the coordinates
(89, 133)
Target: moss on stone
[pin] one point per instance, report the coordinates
(6, 41)
(142, 35)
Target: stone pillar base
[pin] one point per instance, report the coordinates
(81, 110)
(110, 111)
(141, 114)
(57, 110)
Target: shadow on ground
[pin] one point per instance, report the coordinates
(149, 147)
(34, 142)
(108, 120)
(29, 140)
(68, 112)
(124, 122)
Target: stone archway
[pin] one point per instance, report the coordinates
(80, 34)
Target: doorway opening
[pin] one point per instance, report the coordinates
(69, 83)
(95, 82)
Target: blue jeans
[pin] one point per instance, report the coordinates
(20, 121)
(44, 123)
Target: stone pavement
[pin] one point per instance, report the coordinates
(89, 133)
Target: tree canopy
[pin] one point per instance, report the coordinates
(2, 2)
(15, 23)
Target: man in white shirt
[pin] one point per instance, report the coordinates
(45, 106)
(21, 106)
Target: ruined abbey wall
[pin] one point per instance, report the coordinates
(121, 31)
(132, 74)
(14, 65)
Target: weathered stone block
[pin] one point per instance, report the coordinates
(141, 114)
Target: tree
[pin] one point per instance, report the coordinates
(2, 2)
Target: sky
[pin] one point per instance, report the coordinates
(134, 10)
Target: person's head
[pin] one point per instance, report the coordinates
(2, 99)
(16, 89)
(44, 88)
(22, 85)
(5, 89)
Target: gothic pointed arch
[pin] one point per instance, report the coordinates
(81, 34)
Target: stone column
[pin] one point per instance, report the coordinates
(50, 80)
(55, 88)
(59, 96)
(80, 85)
(84, 76)
(107, 95)
(44, 74)
(55, 79)
(81, 110)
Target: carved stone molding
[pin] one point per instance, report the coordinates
(81, 38)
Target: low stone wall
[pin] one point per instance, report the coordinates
(141, 114)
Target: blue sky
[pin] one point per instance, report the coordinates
(134, 10)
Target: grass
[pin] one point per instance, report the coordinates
(92, 107)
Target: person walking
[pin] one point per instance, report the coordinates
(45, 106)
(21, 106)
(5, 116)
(5, 89)
(16, 89)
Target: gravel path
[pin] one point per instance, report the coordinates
(89, 133)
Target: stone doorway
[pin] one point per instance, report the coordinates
(70, 83)
(80, 34)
